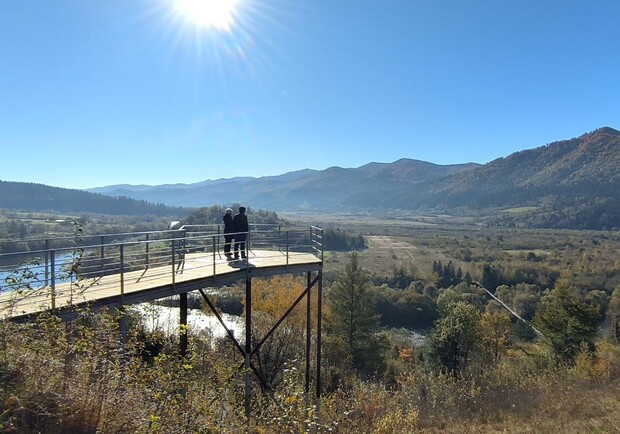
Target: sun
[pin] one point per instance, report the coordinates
(214, 14)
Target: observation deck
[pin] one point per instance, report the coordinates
(64, 275)
(114, 270)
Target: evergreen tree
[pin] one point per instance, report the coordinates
(566, 323)
(353, 323)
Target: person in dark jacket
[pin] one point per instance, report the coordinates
(229, 230)
(240, 222)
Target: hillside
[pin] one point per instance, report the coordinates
(571, 183)
(589, 163)
(39, 197)
(575, 182)
(324, 190)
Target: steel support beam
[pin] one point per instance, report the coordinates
(319, 325)
(308, 341)
(183, 323)
(248, 345)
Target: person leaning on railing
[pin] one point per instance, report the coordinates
(240, 222)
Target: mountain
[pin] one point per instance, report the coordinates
(301, 190)
(571, 183)
(587, 165)
(38, 197)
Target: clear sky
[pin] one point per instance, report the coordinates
(101, 92)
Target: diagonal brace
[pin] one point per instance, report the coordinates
(290, 309)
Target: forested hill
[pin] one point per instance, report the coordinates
(576, 181)
(39, 197)
(569, 184)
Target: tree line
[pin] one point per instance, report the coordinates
(37, 197)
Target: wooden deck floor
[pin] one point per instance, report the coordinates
(198, 271)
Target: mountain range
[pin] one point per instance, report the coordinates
(307, 189)
(570, 181)
(585, 165)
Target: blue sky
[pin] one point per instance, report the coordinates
(95, 93)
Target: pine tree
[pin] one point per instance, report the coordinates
(566, 323)
(354, 323)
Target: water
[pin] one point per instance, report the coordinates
(34, 273)
(414, 338)
(166, 319)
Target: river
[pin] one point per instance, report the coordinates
(34, 274)
(166, 319)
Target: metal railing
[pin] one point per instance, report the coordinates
(73, 260)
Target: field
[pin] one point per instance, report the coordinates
(588, 258)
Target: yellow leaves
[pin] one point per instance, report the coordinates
(154, 423)
(607, 361)
(276, 295)
(496, 330)
(405, 354)
(398, 421)
(12, 402)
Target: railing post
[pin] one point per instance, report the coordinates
(147, 251)
(173, 264)
(53, 272)
(47, 262)
(122, 259)
(279, 238)
(102, 252)
(213, 238)
(287, 248)
(218, 240)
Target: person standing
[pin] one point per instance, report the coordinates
(240, 222)
(229, 229)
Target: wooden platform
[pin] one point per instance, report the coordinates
(197, 271)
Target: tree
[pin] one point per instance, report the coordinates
(613, 317)
(495, 328)
(491, 277)
(353, 323)
(454, 338)
(271, 298)
(566, 323)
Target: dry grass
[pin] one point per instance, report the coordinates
(74, 379)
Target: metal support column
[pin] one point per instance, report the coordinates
(122, 322)
(308, 338)
(183, 323)
(318, 345)
(248, 344)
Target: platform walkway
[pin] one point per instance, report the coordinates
(186, 262)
